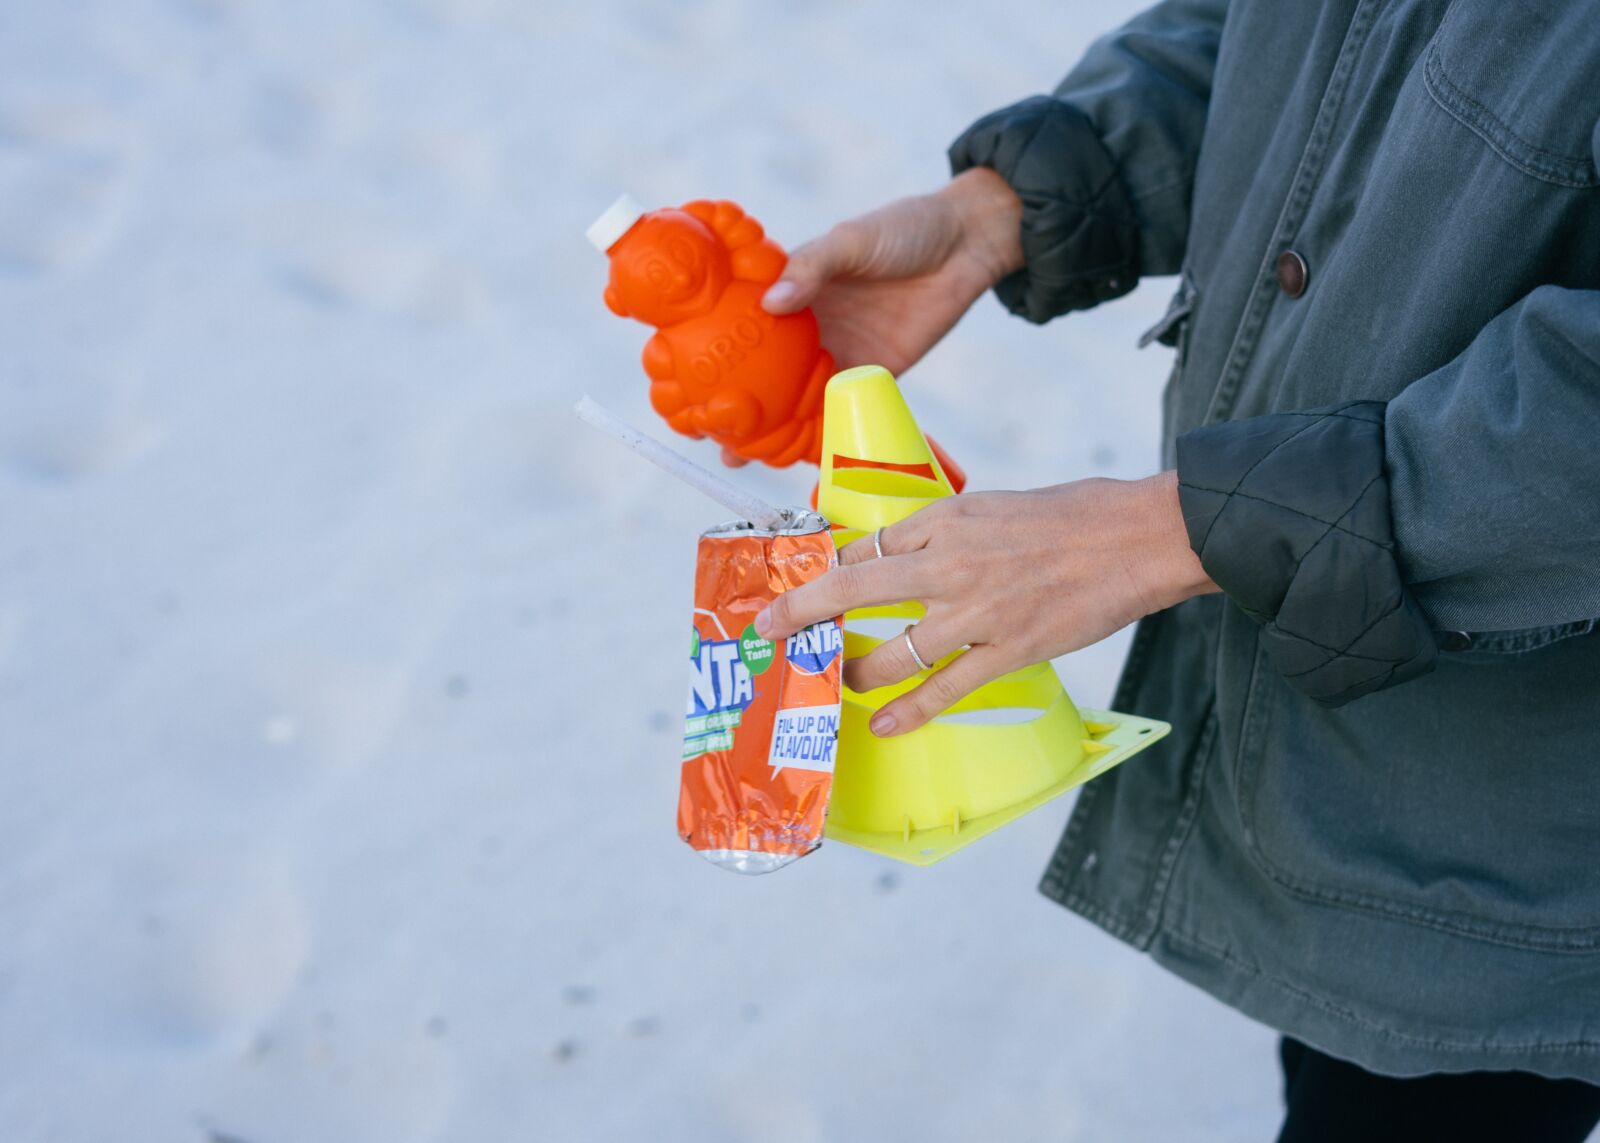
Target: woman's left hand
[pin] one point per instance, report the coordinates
(1016, 577)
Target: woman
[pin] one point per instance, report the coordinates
(1376, 825)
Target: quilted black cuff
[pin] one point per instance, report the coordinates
(1080, 234)
(1289, 514)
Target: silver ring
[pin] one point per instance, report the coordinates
(877, 542)
(912, 647)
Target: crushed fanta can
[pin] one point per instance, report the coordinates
(762, 718)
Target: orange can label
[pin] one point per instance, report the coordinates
(762, 717)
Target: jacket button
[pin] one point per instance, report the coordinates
(1292, 273)
(1455, 641)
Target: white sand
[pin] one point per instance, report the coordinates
(341, 669)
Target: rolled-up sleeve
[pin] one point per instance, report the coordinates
(1105, 165)
(1466, 505)
(1289, 514)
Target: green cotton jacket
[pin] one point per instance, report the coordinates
(1376, 824)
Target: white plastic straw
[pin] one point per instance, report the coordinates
(731, 497)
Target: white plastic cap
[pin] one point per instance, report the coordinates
(614, 223)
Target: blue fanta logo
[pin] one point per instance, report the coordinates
(718, 679)
(813, 650)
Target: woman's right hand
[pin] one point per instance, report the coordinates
(887, 286)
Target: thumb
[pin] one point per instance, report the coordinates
(842, 250)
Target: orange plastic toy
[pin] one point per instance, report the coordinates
(720, 366)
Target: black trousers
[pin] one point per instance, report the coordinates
(1330, 1101)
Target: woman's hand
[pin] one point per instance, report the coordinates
(1018, 577)
(887, 286)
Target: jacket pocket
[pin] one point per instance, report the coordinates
(1490, 646)
(1173, 330)
(1522, 75)
(1466, 800)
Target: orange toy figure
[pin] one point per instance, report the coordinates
(720, 366)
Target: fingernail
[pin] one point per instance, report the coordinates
(882, 723)
(764, 623)
(780, 294)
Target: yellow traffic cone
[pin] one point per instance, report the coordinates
(1005, 749)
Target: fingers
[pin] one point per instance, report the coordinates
(902, 538)
(843, 589)
(941, 690)
(891, 661)
(845, 248)
(860, 551)
(733, 459)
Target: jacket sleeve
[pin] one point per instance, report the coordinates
(1289, 514)
(1464, 505)
(1494, 471)
(1105, 166)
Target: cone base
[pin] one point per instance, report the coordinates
(1128, 735)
